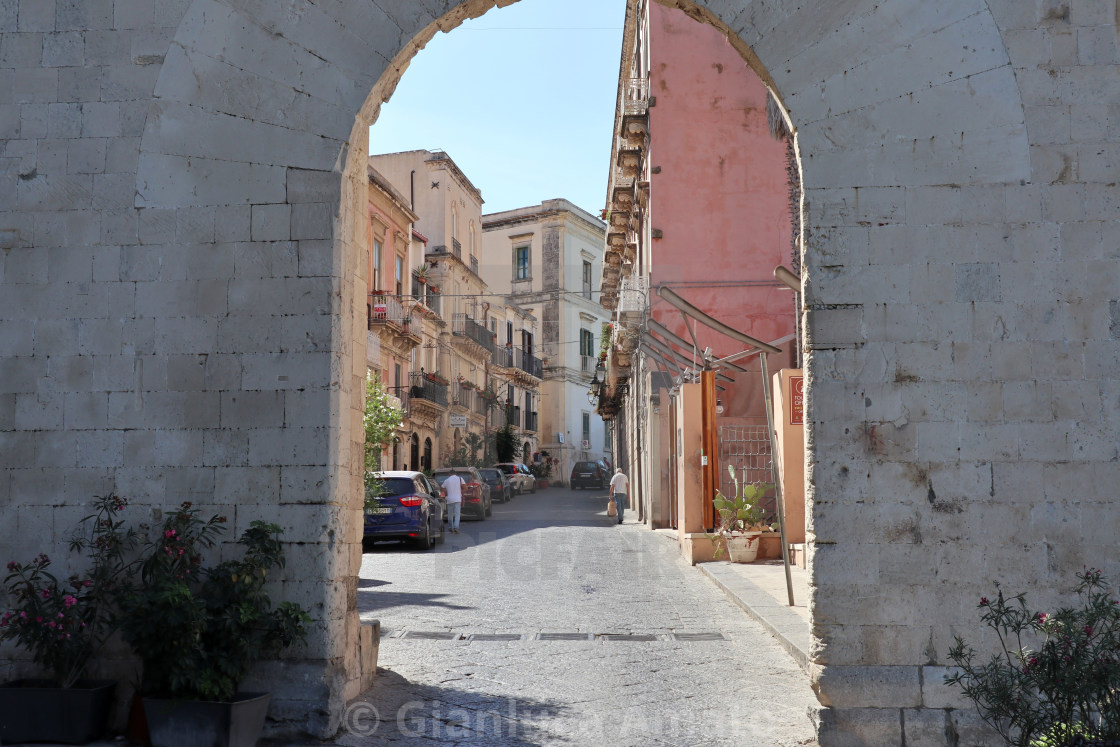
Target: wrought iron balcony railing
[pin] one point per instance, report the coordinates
(633, 295)
(422, 387)
(517, 358)
(463, 326)
(481, 404)
(637, 96)
(457, 248)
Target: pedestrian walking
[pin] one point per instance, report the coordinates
(620, 490)
(453, 485)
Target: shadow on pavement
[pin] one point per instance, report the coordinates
(379, 601)
(397, 711)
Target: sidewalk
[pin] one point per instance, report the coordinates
(760, 590)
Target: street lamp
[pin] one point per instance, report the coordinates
(593, 392)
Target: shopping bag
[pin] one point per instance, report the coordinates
(612, 510)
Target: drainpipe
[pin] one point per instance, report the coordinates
(412, 190)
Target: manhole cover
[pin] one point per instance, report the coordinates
(562, 637)
(628, 637)
(700, 636)
(431, 635)
(496, 637)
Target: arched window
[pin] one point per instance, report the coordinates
(426, 462)
(470, 239)
(454, 223)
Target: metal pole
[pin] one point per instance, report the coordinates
(774, 472)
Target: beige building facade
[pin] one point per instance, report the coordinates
(548, 259)
(479, 374)
(183, 241)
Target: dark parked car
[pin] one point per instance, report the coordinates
(500, 487)
(408, 510)
(476, 492)
(590, 475)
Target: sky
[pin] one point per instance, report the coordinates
(535, 120)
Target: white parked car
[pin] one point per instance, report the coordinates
(519, 476)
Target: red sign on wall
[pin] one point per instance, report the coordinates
(797, 400)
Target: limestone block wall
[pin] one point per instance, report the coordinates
(180, 300)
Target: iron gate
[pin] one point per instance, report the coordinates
(747, 448)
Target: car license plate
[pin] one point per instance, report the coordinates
(379, 511)
(586, 475)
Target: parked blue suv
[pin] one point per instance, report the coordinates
(411, 509)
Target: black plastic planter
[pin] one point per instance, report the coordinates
(41, 711)
(199, 723)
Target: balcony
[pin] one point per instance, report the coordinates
(632, 298)
(478, 338)
(457, 248)
(423, 388)
(587, 364)
(531, 421)
(474, 265)
(518, 360)
(431, 299)
(394, 314)
(481, 404)
(637, 96)
(462, 395)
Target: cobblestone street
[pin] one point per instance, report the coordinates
(549, 624)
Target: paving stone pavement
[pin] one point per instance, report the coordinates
(477, 644)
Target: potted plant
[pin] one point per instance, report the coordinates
(198, 630)
(62, 626)
(541, 470)
(422, 272)
(742, 520)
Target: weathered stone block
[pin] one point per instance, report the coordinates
(859, 727)
(862, 687)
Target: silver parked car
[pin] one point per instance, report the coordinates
(519, 476)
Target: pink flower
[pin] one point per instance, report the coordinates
(61, 615)
(1042, 617)
(51, 624)
(88, 583)
(13, 565)
(983, 601)
(1088, 630)
(46, 593)
(69, 600)
(38, 619)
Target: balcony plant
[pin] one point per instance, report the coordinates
(63, 625)
(436, 378)
(742, 519)
(422, 272)
(198, 630)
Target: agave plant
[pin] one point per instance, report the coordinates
(742, 511)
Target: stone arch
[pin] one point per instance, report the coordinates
(256, 137)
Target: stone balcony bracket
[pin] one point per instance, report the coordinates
(613, 259)
(635, 127)
(616, 239)
(620, 219)
(629, 161)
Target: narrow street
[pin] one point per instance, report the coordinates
(550, 624)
